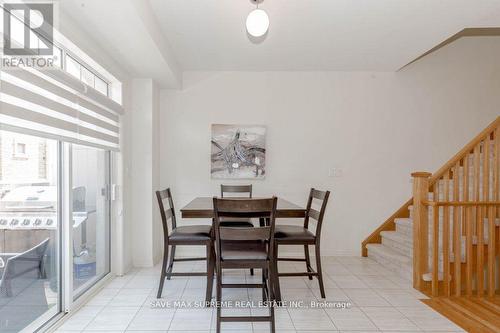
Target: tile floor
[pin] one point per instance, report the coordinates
(381, 302)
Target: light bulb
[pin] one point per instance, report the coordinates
(257, 23)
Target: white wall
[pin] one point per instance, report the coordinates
(376, 127)
(143, 172)
(157, 236)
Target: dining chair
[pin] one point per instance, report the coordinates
(183, 235)
(243, 248)
(302, 235)
(241, 191)
(19, 266)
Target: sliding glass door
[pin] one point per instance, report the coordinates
(34, 233)
(30, 231)
(91, 216)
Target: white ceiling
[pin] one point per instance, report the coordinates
(381, 35)
(153, 37)
(128, 32)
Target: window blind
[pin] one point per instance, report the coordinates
(53, 104)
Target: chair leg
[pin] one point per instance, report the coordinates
(171, 262)
(219, 297)
(319, 271)
(210, 272)
(270, 298)
(264, 284)
(163, 270)
(41, 267)
(308, 260)
(274, 275)
(7, 287)
(262, 223)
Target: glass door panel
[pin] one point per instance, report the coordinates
(91, 216)
(30, 230)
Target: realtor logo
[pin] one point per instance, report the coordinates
(28, 29)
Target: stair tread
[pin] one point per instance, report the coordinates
(428, 276)
(398, 237)
(388, 252)
(403, 220)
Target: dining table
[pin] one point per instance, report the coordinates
(202, 207)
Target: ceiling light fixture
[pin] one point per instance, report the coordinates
(257, 21)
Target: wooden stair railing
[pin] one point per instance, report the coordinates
(403, 212)
(469, 160)
(459, 226)
(481, 270)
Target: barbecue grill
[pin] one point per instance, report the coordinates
(28, 215)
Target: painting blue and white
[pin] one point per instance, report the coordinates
(238, 151)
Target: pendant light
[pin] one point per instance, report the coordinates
(257, 21)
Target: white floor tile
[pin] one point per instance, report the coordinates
(104, 331)
(119, 281)
(130, 297)
(389, 319)
(103, 297)
(192, 319)
(283, 321)
(81, 318)
(314, 284)
(379, 282)
(293, 283)
(348, 281)
(429, 320)
(143, 282)
(400, 297)
(332, 295)
(113, 318)
(152, 319)
(306, 319)
(352, 319)
(335, 269)
(365, 297)
(380, 302)
(236, 326)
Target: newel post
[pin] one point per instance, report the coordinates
(420, 227)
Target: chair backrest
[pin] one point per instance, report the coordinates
(20, 264)
(167, 211)
(311, 213)
(79, 195)
(244, 208)
(240, 189)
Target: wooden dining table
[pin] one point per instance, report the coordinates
(203, 207)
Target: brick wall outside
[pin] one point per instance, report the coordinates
(20, 169)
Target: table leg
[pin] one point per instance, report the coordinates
(274, 275)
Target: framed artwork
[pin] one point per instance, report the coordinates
(238, 151)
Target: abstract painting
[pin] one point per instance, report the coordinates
(238, 151)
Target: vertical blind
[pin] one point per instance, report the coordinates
(53, 104)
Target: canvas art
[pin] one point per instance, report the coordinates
(238, 151)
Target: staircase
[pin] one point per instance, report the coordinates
(395, 252)
(450, 227)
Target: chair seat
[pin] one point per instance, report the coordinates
(191, 233)
(244, 251)
(293, 233)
